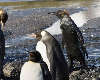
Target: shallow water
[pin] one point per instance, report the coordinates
(86, 15)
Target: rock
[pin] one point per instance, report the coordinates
(74, 75)
(12, 70)
(91, 73)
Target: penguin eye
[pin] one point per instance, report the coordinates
(38, 35)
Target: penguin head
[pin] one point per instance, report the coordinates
(34, 56)
(41, 35)
(60, 13)
(46, 36)
(3, 17)
(36, 35)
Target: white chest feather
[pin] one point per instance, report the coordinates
(31, 71)
(42, 49)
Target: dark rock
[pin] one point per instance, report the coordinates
(92, 73)
(12, 70)
(74, 75)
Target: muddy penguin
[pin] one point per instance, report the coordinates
(53, 55)
(3, 19)
(35, 68)
(72, 38)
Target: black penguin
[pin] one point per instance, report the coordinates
(3, 19)
(72, 38)
(58, 66)
(35, 68)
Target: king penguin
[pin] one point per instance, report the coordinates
(72, 38)
(35, 68)
(3, 19)
(52, 54)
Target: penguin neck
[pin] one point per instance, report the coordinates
(48, 43)
(31, 61)
(45, 39)
(65, 19)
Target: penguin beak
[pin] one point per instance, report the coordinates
(33, 35)
(52, 13)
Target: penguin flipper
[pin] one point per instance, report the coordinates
(80, 38)
(78, 32)
(2, 44)
(45, 70)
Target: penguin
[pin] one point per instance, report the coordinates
(35, 68)
(72, 39)
(53, 55)
(3, 19)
